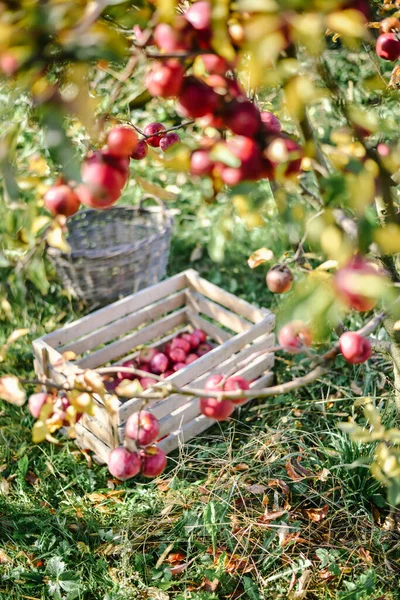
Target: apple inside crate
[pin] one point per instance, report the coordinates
(241, 334)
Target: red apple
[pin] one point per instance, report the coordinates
(148, 382)
(178, 366)
(279, 279)
(181, 35)
(177, 355)
(36, 403)
(9, 64)
(182, 343)
(214, 64)
(159, 363)
(271, 123)
(243, 117)
(140, 151)
(124, 374)
(236, 383)
(62, 200)
(294, 336)
(196, 98)
(214, 383)
(122, 141)
(191, 358)
(165, 78)
(388, 46)
(204, 349)
(123, 464)
(250, 156)
(169, 140)
(154, 461)
(355, 348)
(200, 334)
(146, 355)
(201, 163)
(220, 410)
(350, 287)
(151, 130)
(193, 339)
(167, 373)
(199, 16)
(103, 182)
(143, 428)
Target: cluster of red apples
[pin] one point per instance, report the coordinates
(181, 351)
(296, 336)
(106, 172)
(388, 42)
(258, 147)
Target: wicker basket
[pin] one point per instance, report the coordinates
(114, 252)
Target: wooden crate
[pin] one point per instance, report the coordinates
(151, 317)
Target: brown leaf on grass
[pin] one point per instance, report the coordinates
(241, 467)
(259, 257)
(3, 557)
(279, 483)
(365, 556)
(238, 564)
(292, 538)
(326, 575)
(4, 487)
(304, 582)
(175, 557)
(355, 388)
(296, 471)
(316, 514)
(256, 488)
(31, 478)
(323, 475)
(209, 586)
(271, 516)
(178, 569)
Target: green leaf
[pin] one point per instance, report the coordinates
(36, 273)
(58, 143)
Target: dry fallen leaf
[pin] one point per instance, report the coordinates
(317, 514)
(256, 488)
(241, 467)
(259, 257)
(11, 390)
(355, 388)
(3, 557)
(304, 582)
(271, 516)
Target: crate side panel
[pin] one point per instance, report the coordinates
(86, 440)
(110, 332)
(122, 347)
(230, 301)
(211, 309)
(116, 310)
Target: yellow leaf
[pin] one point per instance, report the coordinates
(128, 388)
(10, 340)
(38, 165)
(328, 264)
(388, 239)
(11, 390)
(349, 23)
(39, 223)
(55, 238)
(259, 257)
(39, 432)
(166, 9)
(221, 41)
(154, 189)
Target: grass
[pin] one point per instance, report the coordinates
(202, 530)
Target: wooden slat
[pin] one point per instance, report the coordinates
(86, 440)
(122, 347)
(224, 316)
(115, 311)
(198, 424)
(227, 299)
(59, 368)
(100, 430)
(212, 330)
(116, 328)
(208, 361)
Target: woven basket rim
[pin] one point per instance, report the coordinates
(93, 254)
